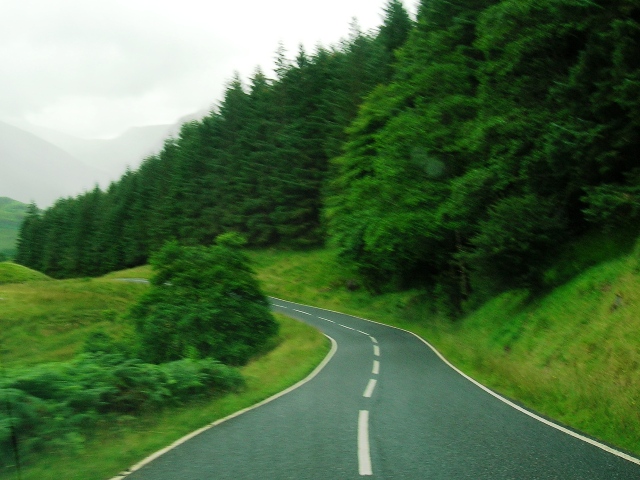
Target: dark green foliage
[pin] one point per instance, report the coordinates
(56, 405)
(395, 28)
(508, 126)
(514, 239)
(406, 147)
(203, 302)
(613, 205)
(30, 239)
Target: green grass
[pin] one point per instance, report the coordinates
(299, 349)
(317, 277)
(572, 354)
(48, 321)
(14, 273)
(137, 272)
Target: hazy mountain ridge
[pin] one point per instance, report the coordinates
(40, 164)
(34, 170)
(112, 156)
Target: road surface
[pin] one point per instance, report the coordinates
(385, 406)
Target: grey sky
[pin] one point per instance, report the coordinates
(95, 68)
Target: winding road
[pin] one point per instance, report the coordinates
(386, 406)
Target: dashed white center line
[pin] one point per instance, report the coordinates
(348, 328)
(360, 331)
(280, 306)
(322, 318)
(376, 350)
(373, 339)
(300, 311)
(364, 454)
(370, 386)
(376, 367)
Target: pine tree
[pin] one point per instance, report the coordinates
(393, 33)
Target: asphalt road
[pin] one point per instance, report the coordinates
(385, 406)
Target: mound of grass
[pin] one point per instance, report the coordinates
(14, 273)
(572, 354)
(49, 321)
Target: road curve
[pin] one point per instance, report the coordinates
(385, 406)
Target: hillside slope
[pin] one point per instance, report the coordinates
(11, 214)
(572, 354)
(14, 273)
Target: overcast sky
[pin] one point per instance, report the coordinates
(95, 68)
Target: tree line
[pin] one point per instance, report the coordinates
(255, 165)
(453, 152)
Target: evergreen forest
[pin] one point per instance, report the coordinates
(454, 152)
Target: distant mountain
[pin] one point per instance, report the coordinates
(11, 214)
(42, 165)
(113, 156)
(32, 169)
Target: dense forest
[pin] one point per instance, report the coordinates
(454, 152)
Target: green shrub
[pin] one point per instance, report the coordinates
(56, 405)
(203, 302)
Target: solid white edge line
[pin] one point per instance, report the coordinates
(549, 423)
(376, 350)
(308, 378)
(370, 386)
(364, 453)
(376, 367)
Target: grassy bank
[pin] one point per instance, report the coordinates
(48, 321)
(13, 273)
(572, 354)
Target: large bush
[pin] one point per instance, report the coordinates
(203, 302)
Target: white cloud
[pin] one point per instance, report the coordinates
(96, 68)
